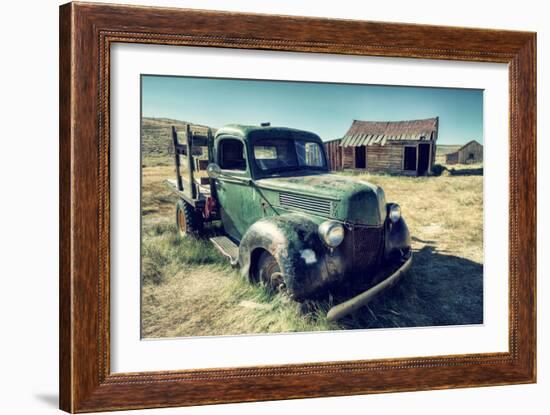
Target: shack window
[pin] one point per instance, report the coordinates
(232, 155)
(409, 158)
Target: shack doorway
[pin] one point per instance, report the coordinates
(423, 159)
(409, 158)
(361, 157)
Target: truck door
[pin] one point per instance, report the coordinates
(235, 192)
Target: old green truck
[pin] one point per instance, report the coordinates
(287, 222)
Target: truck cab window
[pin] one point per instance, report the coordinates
(282, 153)
(309, 154)
(232, 155)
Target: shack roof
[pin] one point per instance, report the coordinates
(367, 133)
(469, 143)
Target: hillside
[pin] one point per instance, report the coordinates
(443, 149)
(156, 139)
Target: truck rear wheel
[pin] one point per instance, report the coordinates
(188, 220)
(269, 273)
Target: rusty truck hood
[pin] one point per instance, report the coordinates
(351, 199)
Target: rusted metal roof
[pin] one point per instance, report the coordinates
(368, 133)
(468, 144)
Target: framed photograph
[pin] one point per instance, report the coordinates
(258, 207)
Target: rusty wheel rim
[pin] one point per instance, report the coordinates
(276, 282)
(181, 222)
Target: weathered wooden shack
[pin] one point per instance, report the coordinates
(394, 147)
(469, 153)
(334, 153)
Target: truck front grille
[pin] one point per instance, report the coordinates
(318, 206)
(366, 243)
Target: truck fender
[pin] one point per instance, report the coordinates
(293, 241)
(397, 240)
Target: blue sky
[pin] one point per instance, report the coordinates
(324, 108)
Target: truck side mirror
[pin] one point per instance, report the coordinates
(213, 170)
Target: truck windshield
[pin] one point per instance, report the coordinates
(283, 154)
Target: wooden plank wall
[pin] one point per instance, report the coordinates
(451, 158)
(388, 158)
(434, 142)
(382, 159)
(334, 154)
(348, 157)
(473, 148)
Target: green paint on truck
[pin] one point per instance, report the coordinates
(289, 223)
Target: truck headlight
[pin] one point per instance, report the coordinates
(332, 233)
(394, 212)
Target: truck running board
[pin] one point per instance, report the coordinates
(227, 247)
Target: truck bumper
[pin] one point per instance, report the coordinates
(349, 306)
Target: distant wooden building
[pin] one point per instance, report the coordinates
(395, 147)
(469, 153)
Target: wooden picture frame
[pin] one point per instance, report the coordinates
(86, 33)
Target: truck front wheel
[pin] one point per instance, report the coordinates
(188, 221)
(269, 273)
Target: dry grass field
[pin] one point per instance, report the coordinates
(188, 289)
